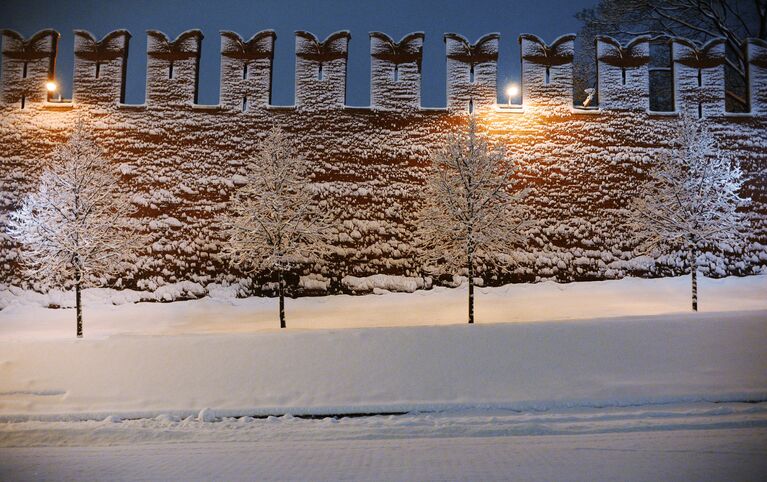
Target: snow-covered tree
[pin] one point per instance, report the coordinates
(76, 227)
(691, 198)
(274, 222)
(471, 211)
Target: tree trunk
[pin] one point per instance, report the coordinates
(281, 291)
(694, 274)
(79, 308)
(471, 284)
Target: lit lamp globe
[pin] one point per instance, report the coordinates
(51, 86)
(511, 91)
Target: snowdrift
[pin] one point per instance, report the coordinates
(525, 366)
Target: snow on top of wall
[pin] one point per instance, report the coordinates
(321, 72)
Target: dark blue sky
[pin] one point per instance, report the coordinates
(546, 18)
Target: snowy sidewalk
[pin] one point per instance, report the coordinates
(701, 455)
(726, 442)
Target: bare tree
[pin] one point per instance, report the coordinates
(691, 198)
(471, 211)
(76, 227)
(699, 20)
(274, 222)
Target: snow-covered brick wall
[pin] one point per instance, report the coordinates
(395, 71)
(321, 70)
(181, 162)
(757, 72)
(100, 66)
(172, 68)
(623, 77)
(699, 77)
(547, 72)
(27, 66)
(246, 70)
(472, 72)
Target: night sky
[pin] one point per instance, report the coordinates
(546, 18)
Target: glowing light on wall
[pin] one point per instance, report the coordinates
(511, 91)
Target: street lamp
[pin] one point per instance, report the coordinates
(511, 91)
(52, 87)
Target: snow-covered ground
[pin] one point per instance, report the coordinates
(25, 315)
(601, 356)
(588, 381)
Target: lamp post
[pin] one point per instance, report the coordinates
(511, 91)
(51, 87)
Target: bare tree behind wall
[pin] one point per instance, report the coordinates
(471, 210)
(699, 20)
(76, 228)
(274, 221)
(691, 198)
